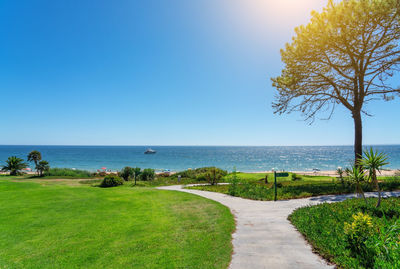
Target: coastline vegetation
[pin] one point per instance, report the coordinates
(294, 189)
(352, 234)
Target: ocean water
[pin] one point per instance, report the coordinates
(176, 158)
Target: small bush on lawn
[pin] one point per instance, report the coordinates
(295, 177)
(352, 234)
(111, 180)
(127, 173)
(147, 174)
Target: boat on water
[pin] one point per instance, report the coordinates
(150, 151)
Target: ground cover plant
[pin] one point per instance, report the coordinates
(61, 226)
(353, 234)
(67, 172)
(293, 189)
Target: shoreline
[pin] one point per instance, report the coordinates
(330, 173)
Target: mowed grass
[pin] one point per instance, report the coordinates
(59, 226)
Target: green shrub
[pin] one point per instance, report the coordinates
(147, 174)
(233, 187)
(295, 177)
(200, 174)
(111, 180)
(127, 173)
(357, 233)
(67, 172)
(214, 175)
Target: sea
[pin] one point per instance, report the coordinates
(178, 158)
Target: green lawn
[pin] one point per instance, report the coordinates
(50, 224)
(324, 225)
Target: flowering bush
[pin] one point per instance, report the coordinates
(357, 234)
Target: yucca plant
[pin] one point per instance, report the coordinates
(14, 164)
(340, 173)
(373, 161)
(357, 176)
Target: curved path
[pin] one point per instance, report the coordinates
(264, 238)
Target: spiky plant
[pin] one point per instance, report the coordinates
(357, 176)
(373, 161)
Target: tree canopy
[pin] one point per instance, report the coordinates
(347, 55)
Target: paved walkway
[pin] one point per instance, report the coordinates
(264, 238)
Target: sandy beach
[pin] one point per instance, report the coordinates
(332, 173)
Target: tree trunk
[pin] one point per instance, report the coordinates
(357, 137)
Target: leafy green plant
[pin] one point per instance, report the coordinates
(357, 234)
(214, 175)
(42, 166)
(386, 244)
(127, 173)
(14, 165)
(373, 162)
(147, 174)
(111, 180)
(233, 187)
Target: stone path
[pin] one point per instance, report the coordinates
(264, 238)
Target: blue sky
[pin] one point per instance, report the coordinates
(160, 72)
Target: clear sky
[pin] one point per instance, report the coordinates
(158, 72)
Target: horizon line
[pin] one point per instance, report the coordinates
(148, 145)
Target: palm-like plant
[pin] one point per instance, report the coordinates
(340, 172)
(14, 164)
(35, 156)
(373, 161)
(136, 172)
(42, 166)
(357, 176)
(213, 176)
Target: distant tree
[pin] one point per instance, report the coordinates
(127, 173)
(14, 164)
(35, 156)
(136, 173)
(373, 162)
(42, 166)
(344, 56)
